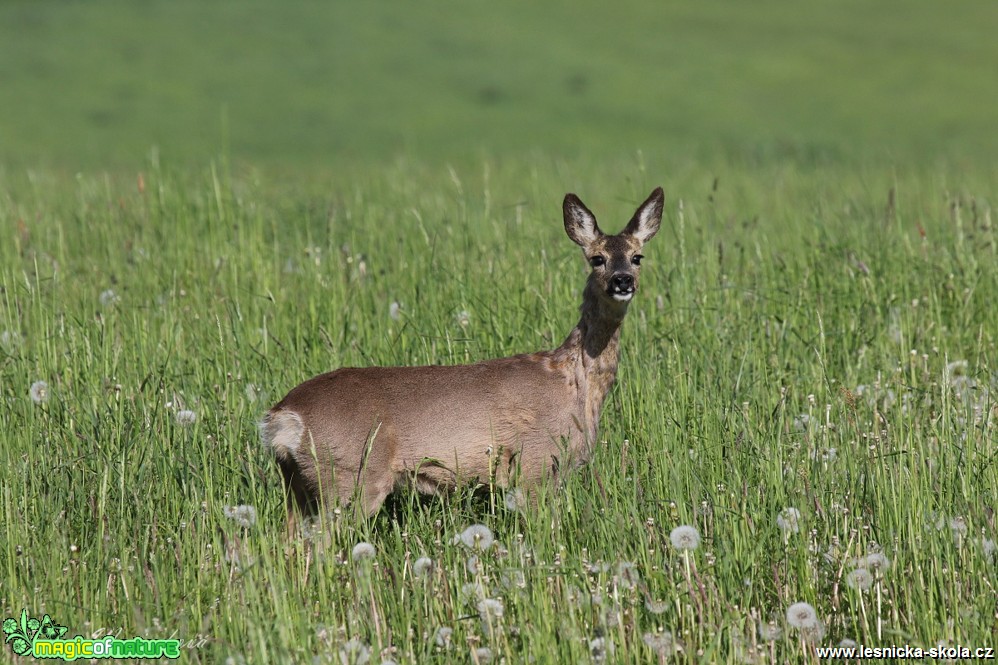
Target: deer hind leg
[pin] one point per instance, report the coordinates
(283, 432)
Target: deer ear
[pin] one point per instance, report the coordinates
(580, 223)
(648, 217)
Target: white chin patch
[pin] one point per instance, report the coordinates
(623, 297)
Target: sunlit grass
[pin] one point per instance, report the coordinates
(806, 384)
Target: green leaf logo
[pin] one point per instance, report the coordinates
(21, 635)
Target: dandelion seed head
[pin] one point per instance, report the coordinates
(423, 567)
(489, 608)
(860, 578)
(802, 422)
(988, 547)
(472, 591)
(600, 648)
(442, 636)
(186, 417)
(253, 392)
(511, 579)
(685, 537)
(477, 537)
(244, 515)
(483, 655)
(39, 392)
(846, 643)
(789, 520)
(628, 575)
(661, 643)
(9, 339)
(813, 634)
(801, 616)
(769, 631)
(363, 551)
(354, 652)
(395, 311)
(463, 318)
(474, 565)
(874, 561)
(514, 500)
(108, 298)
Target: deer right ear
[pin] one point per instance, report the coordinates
(580, 223)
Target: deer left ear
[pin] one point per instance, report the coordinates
(648, 217)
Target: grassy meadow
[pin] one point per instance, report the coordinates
(808, 372)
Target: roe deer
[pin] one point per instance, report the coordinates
(522, 418)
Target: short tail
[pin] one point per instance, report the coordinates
(281, 432)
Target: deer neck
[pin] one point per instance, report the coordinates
(593, 347)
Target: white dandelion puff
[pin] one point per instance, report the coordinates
(685, 537)
(628, 575)
(243, 515)
(514, 500)
(789, 520)
(661, 643)
(423, 567)
(186, 417)
(442, 636)
(846, 643)
(477, 537)
(861, 579)
(9, 339)
(813, 633)
(958, 526)
(802, 422)
(824, 454)
(472, 591)
(600, 648)
(987, 547)
(108, 298)
(362, 551)
(770, 631)
(463, 318)
(802, 616)
(39, 392)
(474, 565)
(395, 311)
(483, 655)
(874, 561)
(489, 609)
(253, 392)
(513, 579)
(354, 652)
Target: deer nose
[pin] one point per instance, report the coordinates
(622, 281)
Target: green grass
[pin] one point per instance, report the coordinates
(770, 295)
(96, 84)
(815, 330)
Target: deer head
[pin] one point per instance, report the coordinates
(615, 259)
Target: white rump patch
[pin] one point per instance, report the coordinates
(282, 431)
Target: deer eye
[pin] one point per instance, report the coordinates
(636, 259)
(596, 261)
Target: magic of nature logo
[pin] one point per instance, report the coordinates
(44, 638)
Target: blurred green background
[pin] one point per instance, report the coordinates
(304, 84)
